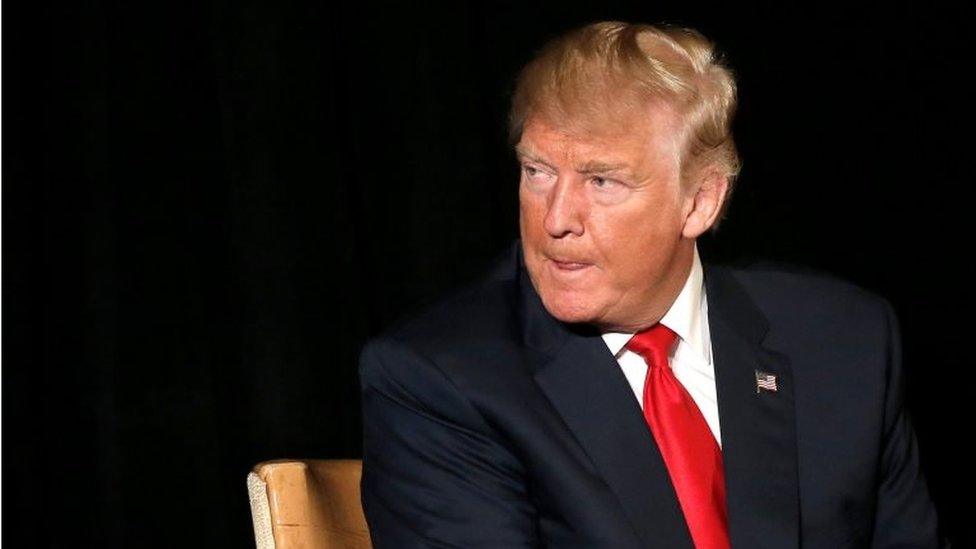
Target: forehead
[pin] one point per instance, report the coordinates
(651, 137)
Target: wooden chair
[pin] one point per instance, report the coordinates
(311, 504)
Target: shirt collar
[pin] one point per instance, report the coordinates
(685, 316)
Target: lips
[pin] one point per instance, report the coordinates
(567, 264)
(571, 266)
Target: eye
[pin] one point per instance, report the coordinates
(608, 192)
(535, 173)
(536, 179)
(603, 183)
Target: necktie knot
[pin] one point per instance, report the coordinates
(653, 344)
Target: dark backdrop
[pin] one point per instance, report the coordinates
(210, 205)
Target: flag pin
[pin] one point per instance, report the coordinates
(765, 381)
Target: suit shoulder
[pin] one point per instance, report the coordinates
(478, 316)
(789, 288)
(480, 311)
(460, 345)
(466, 335)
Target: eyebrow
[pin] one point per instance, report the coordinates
(601, 167)
(523, 152)
(591, 167)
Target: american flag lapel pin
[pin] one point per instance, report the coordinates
(765, 382)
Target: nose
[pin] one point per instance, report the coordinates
(566, 209)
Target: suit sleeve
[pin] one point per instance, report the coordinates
(435, 474)
(905, 515)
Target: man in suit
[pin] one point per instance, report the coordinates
(602, 386)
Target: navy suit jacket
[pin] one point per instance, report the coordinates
(489, 423)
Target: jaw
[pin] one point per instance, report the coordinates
(594, 300)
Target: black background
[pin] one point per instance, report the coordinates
(210, 205)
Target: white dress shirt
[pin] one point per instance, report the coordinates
(691, 358)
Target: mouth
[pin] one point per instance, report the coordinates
(570, 266)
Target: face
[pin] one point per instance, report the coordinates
(602, 220)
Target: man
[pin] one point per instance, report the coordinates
(768, 409)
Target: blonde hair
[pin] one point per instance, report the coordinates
(598, 77)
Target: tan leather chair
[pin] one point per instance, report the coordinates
(312, 504)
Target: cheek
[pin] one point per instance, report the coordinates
(631, 243)
(531, 212)
(619, 232)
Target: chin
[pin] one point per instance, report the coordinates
(567, 309)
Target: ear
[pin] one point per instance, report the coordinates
(704, 207)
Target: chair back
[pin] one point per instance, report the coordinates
(311, 504)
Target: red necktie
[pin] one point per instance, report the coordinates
(690, 451)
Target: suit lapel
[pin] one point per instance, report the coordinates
(583, 381)
(758, 428)
(585, 384)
